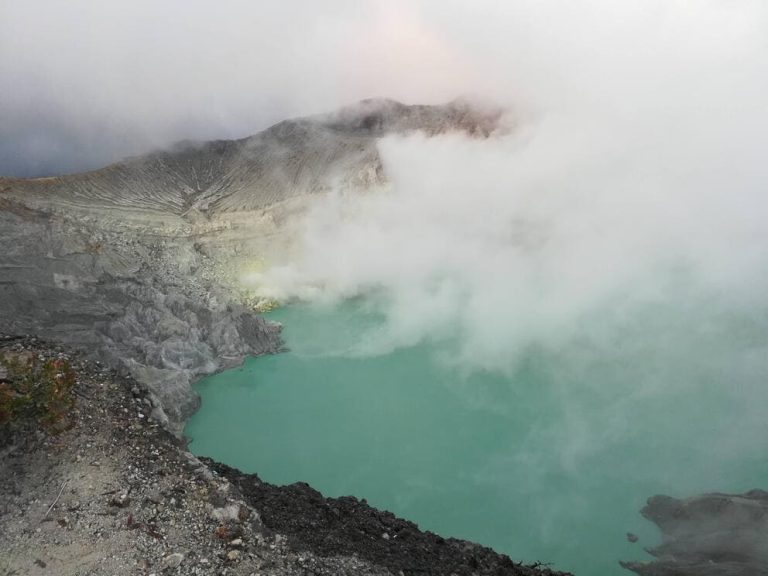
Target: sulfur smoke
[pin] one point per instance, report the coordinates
(645, 191)
(618, 231)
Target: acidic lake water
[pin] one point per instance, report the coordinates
(550, 463)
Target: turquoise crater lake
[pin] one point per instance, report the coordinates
(550, 462)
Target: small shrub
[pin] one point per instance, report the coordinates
(37, 392)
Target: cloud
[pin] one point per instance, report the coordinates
(613, 246)
(633, 186)
(638, 162)
(86, 82)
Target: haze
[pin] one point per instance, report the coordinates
(618, 229)
(83, 83)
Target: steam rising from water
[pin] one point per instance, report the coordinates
(619, 231)
(570, 228)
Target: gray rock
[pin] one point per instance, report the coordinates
(172, 561)
(154, 497)
(120, 500)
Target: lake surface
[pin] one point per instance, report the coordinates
(549, 462)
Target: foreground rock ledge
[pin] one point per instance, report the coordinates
(118, 494)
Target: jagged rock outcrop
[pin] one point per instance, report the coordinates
(138, 262)
(708, 535)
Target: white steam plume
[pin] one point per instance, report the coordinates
(640, 185)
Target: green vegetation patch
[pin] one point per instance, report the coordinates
(35, 392)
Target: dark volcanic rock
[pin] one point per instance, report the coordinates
(345, 526)
(713, 534)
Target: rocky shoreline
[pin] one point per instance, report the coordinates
(118, 494)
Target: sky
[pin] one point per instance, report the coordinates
(85, 82)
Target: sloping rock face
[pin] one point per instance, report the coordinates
(138, 262)
(709, 535)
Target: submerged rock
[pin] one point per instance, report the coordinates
(713, 534)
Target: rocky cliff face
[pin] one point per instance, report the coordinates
(138, 262)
